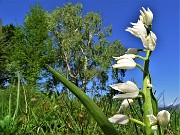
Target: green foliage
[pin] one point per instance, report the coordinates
(6, 34)
(32, 46)
(51, 113)
(9, 124)
(69, 41)
(83, 51)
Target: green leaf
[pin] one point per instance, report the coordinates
(94, 110)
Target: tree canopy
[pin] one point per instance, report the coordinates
(83, 51)
(74, 43)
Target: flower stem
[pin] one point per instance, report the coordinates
(140, 67)
(138, 56)
(137, 121)
(147, 107)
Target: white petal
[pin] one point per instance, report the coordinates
(116, 86)
(141, 18)
(154, 128)
(163, 118)
(129, 87)
(146, 16)
(125, 56)
(142, 14)
(133, 32)
(149, 42)
(127, 95)
(124, 105)
(119, 119)
(149, 11)
(126, 63)
(153, 39)
(152, 119)
(138, 29)
(125, 87)
(126, 102)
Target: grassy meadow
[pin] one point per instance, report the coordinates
(24, 110)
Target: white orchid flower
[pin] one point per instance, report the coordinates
(149, 42)
(125, 63)
(129, 89)
(163, 118)
(119, 119)
(146, 16)
(125, 56)
(152, 119)
(125, 104)
(138, 29)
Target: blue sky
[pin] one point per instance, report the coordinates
(164, 66)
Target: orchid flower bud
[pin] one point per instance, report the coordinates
(146, 16)
(152, 119)
(163, 118)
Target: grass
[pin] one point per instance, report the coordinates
(24, 110)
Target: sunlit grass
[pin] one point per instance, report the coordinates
(60, 113)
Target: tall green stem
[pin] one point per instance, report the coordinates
(148, 109)
(17, 100)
